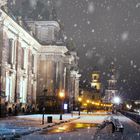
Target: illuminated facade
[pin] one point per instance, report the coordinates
(18, 69)
(96, 84)
(112, 91)
(29, 65)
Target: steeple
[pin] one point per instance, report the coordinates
(111, 91)
(112, 70)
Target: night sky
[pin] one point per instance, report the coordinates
(105, 32)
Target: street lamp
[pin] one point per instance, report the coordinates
(88, 106)
(62, 96)
(116, 100)
(79, 99)
(43, 109)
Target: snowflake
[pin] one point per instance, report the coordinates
(105, 40)
(65, 37)
(84, 45)
(108, 8)
(75, 25)
(137, 5)
(89, 54)
(92, 30)
(91, 7)
(104, 73)
(124, 80)
(134, 66)
(88, 22)
(124, 35)
(13, 131)
(131, 62)
(79, 134)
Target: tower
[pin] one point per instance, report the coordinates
(111, 91)
(96, 84)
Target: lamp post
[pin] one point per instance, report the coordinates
(43, 109)
(79, 99)
(87, 106)
(62, 96)
(116, 101)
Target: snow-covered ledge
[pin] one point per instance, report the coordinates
(53, 49)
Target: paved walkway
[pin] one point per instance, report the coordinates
(26, 124)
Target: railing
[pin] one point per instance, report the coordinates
(131, 115)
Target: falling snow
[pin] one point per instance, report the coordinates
(124, 36)
(91, 7)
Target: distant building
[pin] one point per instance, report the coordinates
(111, 91)
(96, 84)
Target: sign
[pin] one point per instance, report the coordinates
(65, 106)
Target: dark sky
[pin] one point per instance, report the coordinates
(106, 31)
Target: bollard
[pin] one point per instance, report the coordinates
(49, 119)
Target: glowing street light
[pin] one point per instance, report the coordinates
(79, 99)
(88, 101)
(62, 96)
(116, 100)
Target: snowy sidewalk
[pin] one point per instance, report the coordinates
(131, 130)
(22, 125)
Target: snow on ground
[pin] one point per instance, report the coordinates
(55, 117)
(31, 122)
(10, 129)
(25, 124)
(91, 118)
(131, 131)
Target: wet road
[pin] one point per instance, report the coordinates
(68, 131)
(69, 127)
(80, 130)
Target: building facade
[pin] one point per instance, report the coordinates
(111, 91)
(96, 85)
(18, 71)
(28, 65)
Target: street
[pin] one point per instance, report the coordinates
(87, 129)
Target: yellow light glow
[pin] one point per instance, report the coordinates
(88, 101)
(93, 103)
(79, 99)
(61, 128)
(61, 94)
(85, 104)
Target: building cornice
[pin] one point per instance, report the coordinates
(18, 30)
(53, 49)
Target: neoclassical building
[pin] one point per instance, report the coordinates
(32, 61)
